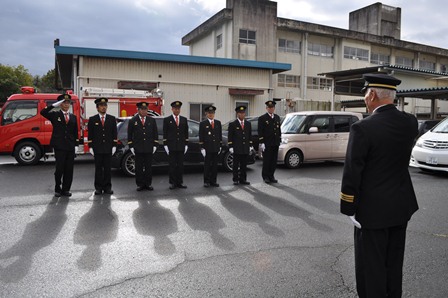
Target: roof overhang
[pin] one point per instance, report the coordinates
(350, 82)
(65, 57)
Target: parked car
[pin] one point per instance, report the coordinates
(431, 149)
(124, 159)
(424, 126)
(315, 136)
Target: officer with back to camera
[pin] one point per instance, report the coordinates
(210, 140)
(175, 141)
(377, 191)
(102, 140)
(64, 140)
(269, 136)
(143, 141)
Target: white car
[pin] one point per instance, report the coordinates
(431, 150)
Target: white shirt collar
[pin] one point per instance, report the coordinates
(102, 116)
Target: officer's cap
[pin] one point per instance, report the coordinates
(142, 105)
(65, 97)
(176, 104)
(101, 101)
(241, 109)
(380, 80)
(270, 103)
(210, 109)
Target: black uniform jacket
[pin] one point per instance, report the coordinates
(65, 135)
(376, 185)
(240, 140)
(175, 137)
(141, 137)
(210, 138)
(269, 130)
(100, 138)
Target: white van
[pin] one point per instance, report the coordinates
(315, 136)
(431, 150)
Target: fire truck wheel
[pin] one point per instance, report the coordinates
(128, 164)
(27, 153)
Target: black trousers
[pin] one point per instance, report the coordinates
(176, 162)
(269, 162)
(379, 255)
(239, 167)
(210, 167)
(64, 170)
(143, 169)
(102, 171)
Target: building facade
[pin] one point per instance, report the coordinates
(251, 30)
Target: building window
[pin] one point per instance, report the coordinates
(219, 41)
(404, 61)
(322, 50)
(427, 65)
(247, 36)
(288, 81)
(443, 68)
(289, 46)
(379, 59)
(319, 83)
(197, 111)
(356, 53)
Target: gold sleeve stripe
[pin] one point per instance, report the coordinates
(130, 142)
(347, 198)
(89, 141)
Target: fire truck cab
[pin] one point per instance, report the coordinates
(24, 133)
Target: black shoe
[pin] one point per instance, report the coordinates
(214, 184)
(273, 180)
(235, 183)
(140, 188)
(66, 194)
(206, 184)
(108, 191)
(57, 194)
(172, 186)
(245, 182)
(266, 180)
(149, 187)
(181, 185)
(98, 192)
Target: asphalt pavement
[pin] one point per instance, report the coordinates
(279, 240)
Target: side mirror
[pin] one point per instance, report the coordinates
(313, 130)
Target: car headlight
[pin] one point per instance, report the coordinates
(285, 140)
(419, 143)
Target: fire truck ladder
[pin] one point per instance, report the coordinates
(108, 92)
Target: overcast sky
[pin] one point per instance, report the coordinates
(29, 27)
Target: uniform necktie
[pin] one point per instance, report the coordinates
(213, 124)
(242, 124)
(272, 116)
(66, 117)
(143, 121)
(102, 120)
(177, 121)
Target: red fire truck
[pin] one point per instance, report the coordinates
(25, 134)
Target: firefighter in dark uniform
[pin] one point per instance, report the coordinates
(210, 140)
(175, 141)
(269, 135)
(377, 191)
(240, 145)
(143, 141)
(64, 141)
(102, 141)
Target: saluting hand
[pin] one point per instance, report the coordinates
(58, 103)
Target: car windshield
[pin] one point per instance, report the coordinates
(442, 127)
(292, 123)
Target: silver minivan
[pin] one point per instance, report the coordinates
(315, 136)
